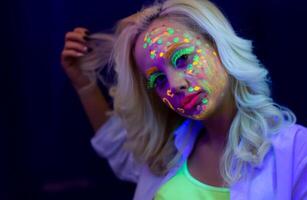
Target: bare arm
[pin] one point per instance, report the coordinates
(95, 106)
(92, 99)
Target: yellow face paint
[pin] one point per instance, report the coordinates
(165, 100)
(196, 88)
(169, 93)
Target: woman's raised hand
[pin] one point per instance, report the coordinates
(75, 47)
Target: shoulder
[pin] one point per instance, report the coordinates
(290, 135)
(291, 142)
(290, 147)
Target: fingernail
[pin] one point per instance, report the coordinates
(86, 38)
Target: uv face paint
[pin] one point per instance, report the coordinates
(193, 59)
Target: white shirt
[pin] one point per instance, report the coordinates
(282, 175)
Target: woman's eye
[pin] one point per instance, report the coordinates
(182, 61)
(180, 57)
(157, 80)
(160, 81)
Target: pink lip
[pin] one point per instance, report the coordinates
(192, 100)
(188, 98)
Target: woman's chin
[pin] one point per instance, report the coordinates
(196, 114)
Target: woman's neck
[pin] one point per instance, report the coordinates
(218, 125)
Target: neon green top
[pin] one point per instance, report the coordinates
(183, 186)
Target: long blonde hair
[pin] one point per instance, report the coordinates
(150, 124)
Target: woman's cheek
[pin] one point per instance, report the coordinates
(168, 103)
(172, 102)
(200, 77)
(167, 97)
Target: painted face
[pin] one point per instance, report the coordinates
(183, 68)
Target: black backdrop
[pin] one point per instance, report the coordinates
(45, 133)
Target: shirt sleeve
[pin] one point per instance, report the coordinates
(300, 160)
(108, 143)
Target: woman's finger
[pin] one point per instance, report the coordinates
(81, 30)
(68, 53)
(72, 45)
(76, 37)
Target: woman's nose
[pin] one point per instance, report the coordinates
(177, 81)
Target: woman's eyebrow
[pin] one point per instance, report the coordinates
(151, 71)
(170, 50)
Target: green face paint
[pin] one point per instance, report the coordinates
(196, 58)
(160, 41)
(205, 101)
(181, 52)
(152, 79)
(186, 35)
(190, 89)
(170, 31)
(176, 40)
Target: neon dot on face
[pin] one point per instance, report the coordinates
(176, 40)
(153, 54)
(190, 67)
(196, 88)
(190, 71)
(196, 58)
(204, 101)
(186, 36)
(170, 31)
(160, 41)
(169, 93)
(186, 40)
(190, 89)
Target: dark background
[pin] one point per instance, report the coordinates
(45, 133)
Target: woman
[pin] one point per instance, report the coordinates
(193, 117)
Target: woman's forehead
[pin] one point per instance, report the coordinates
(164, 29)
(156, 32)
(153, 44)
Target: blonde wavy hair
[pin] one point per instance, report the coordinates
(150, 124)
